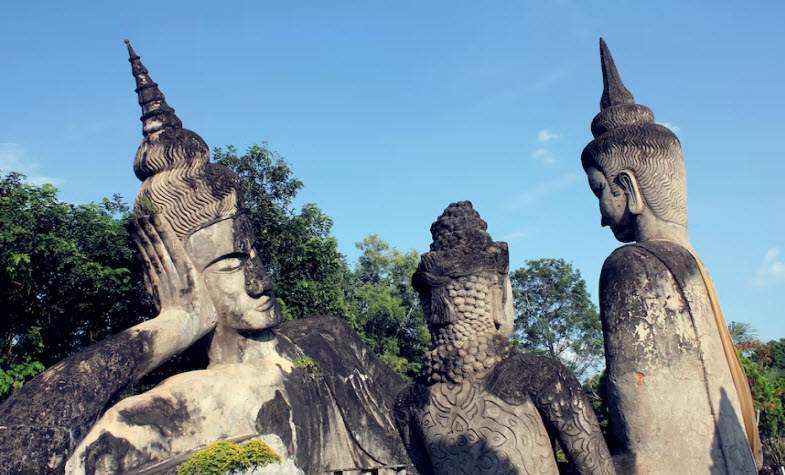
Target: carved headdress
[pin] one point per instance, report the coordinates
(461, 246)
(178, 180)
(626, 137)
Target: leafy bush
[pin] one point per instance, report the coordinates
(12, 378)
(227, 457)
(768, 394)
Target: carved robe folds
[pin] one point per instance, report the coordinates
(471, 431)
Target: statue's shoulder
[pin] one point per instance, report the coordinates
(336, 349)
(359, 383)
(648, 260)
(526, 374)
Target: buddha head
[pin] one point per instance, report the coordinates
(465, 291)
(634, 166)
(201, 201)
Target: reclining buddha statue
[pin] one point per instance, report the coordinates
(205, 275)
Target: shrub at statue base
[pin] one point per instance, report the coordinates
(227, 457)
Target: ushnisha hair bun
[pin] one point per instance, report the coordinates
(178, 180)
(461, 246)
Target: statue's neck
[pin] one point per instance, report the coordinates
(651, 228)
(229, 345)
(464, 351)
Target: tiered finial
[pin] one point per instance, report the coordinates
(157, 115)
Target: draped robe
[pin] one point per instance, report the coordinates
(674, 405)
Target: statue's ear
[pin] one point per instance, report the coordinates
(629, 184)
(505, 319)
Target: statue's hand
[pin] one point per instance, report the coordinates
(171, 277)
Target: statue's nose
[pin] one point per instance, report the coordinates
(257, 282)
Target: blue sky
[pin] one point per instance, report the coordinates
(388, 111)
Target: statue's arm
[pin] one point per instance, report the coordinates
(558, 396)
(43, 421)
(408, 399)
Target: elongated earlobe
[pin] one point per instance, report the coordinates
(629, 184)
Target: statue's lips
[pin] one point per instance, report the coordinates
(267, 303)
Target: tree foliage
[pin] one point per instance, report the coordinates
(386, 309)
(554, 314)
(67, 276)
(309, 273)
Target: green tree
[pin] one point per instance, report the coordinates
(386, 308)
(309, 273)
(67, 277)
(768, 393)
(764, 366)
(778, 356)
(742, 333)
(554, 314)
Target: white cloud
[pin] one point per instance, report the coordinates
(515, 235)
(542, 190)
(542, 153)
(674, 128)
(547, 135)
(771, 270)
(12, 159)
(544, 156)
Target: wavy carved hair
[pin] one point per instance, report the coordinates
(653, 153)
(181, 184)
(461, 246)
(626, 137)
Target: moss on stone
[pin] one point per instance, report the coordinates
(307, 363)
(224, 457)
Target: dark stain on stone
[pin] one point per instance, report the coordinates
(273, 418)
(108, 454)
(65, 401)
(341, 357)
(631, 277)
(165, 416)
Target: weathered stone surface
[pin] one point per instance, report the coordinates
(335, 416)
(479, 407)
(349, 395)
(41, 423)
(678, 399)
(207, 279)
(663, 351)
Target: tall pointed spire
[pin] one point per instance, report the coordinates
(157, 115)
(613, 91)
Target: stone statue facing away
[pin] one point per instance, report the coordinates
(480, 407)
(679, 401)
(335, 413)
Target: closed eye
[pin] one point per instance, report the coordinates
(229, 264)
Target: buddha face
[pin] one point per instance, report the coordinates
(614, 211)
(234, 275)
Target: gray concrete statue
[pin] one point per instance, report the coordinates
(679, 400)
(480, 407)
(208, 281)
